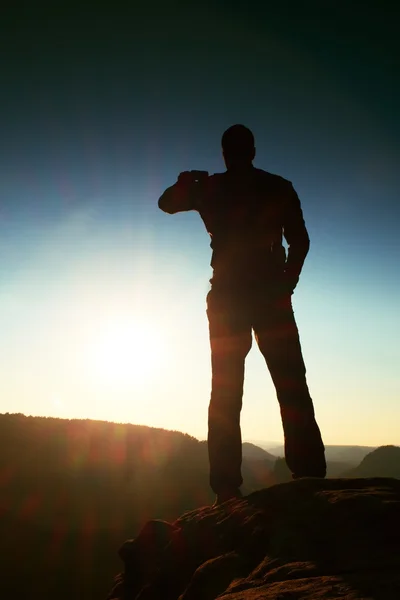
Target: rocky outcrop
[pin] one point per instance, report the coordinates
(307, 539)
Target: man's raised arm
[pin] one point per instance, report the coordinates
(184, 195)
(296, 235)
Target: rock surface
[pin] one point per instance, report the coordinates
(307, 539)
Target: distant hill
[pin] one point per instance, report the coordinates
(333, 453)
(336, 468)
(257, 466)
(252, 451)
(382, 462)
(351, 454)
(268, 446)
(281, 474)
(72, 490)
(86, 462)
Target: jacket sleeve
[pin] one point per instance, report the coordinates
(296, 235)
(181, 196)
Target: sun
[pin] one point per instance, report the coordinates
(126, 352)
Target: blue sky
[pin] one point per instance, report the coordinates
(102, 296)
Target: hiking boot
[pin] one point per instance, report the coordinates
(227, 495)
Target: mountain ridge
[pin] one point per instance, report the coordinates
(67, 483)
(384, 459)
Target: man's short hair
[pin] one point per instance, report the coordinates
(237, 139)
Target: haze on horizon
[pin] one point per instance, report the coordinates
(102, 296)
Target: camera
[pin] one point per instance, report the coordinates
(199, 176)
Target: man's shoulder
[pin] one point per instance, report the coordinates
(264, 179)
(272, 178)
(258, 172)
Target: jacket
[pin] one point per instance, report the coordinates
(247, 214)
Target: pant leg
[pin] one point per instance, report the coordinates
(278, 339)
(230, 341)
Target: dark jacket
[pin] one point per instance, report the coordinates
(246, 214)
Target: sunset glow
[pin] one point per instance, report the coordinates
(126, 352)
(103, 295)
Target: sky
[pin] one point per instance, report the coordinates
(102, 296)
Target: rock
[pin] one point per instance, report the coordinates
(306, 539)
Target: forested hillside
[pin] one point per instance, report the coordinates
(72, 490)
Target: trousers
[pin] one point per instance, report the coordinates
(232, 316)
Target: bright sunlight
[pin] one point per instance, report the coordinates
(126, 352)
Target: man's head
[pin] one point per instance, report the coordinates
(238, 147)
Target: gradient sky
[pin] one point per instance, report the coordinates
(102, 296)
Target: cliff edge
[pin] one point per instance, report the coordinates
(307, 539)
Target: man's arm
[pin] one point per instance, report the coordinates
(182, 196)
(296, 235)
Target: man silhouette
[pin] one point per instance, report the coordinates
(247, 211)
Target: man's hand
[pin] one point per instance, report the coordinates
(182, 196)
(186, 178)
(192, 177)
(287, 283)
(290, 282)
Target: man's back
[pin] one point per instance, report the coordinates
(246, 211)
